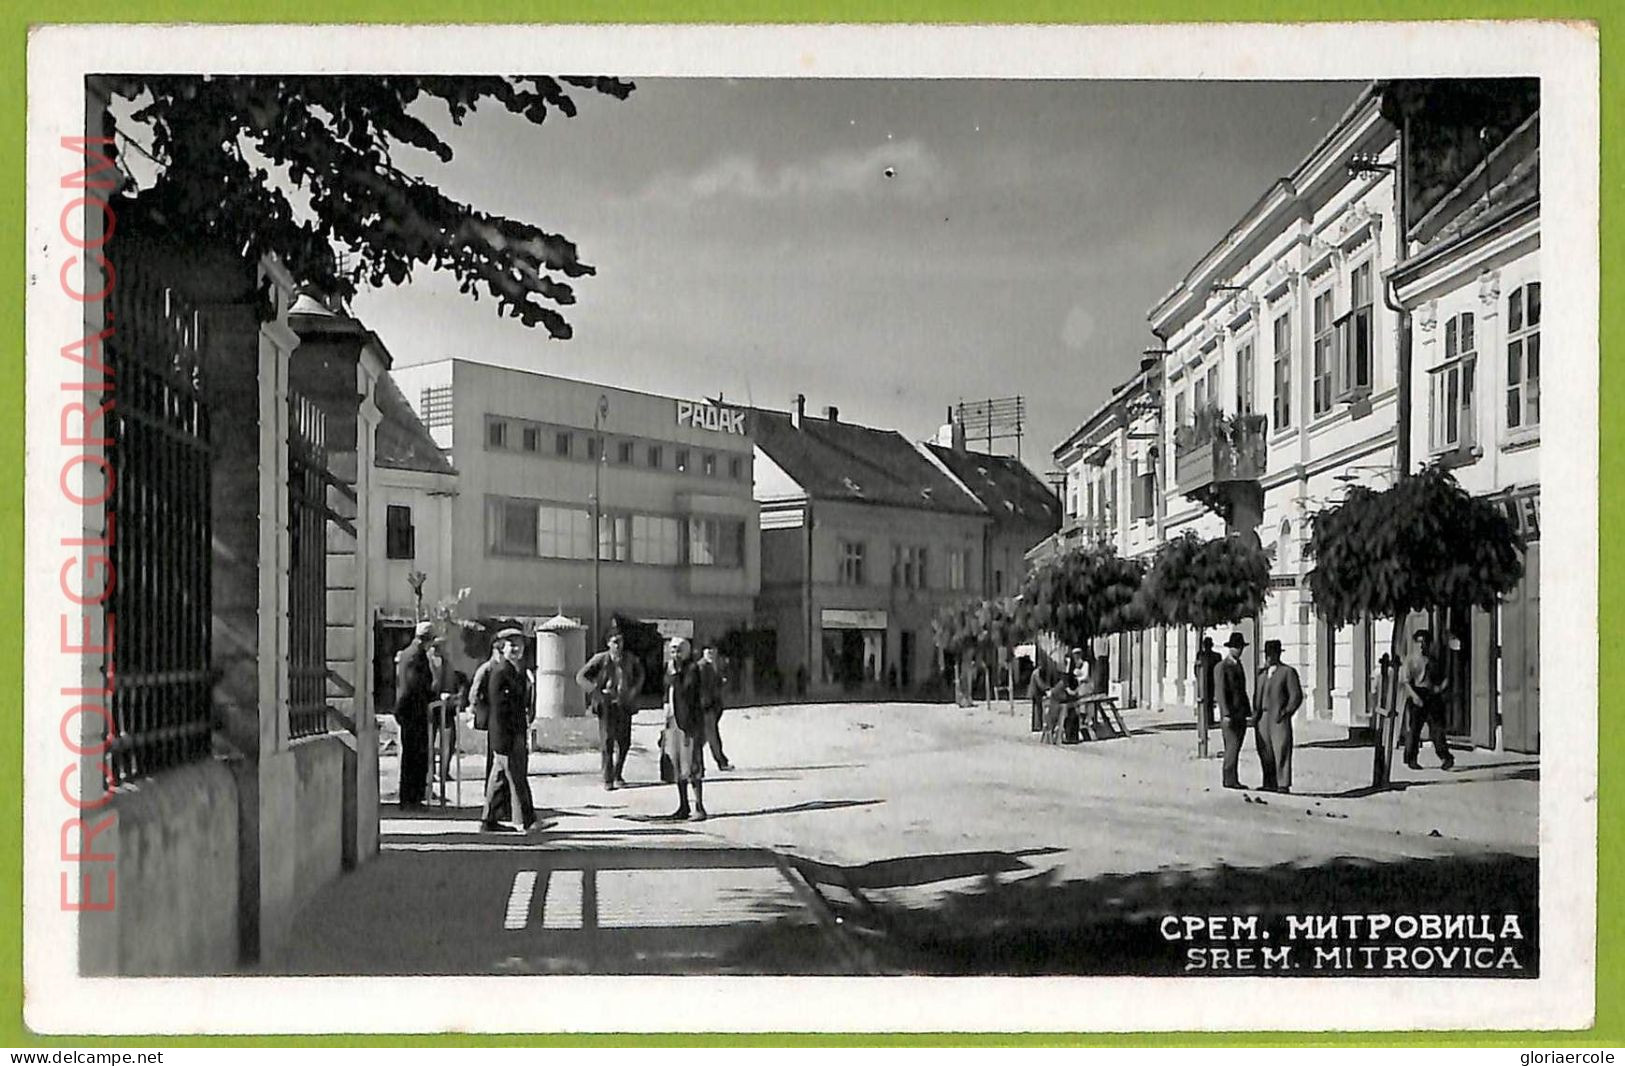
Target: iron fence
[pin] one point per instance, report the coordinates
(307, 572)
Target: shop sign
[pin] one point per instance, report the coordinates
(673, 627)
(1283, 581)
(840, 618)
(711, 416)
(1522, 506)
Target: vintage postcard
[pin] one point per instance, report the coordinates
(811, 529)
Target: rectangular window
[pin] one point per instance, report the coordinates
(530, 439)
(1325, 352)
(510, 527)
(562, 444)
(496, 433)
(1180, 410)
(1283, 372)
(1109, 510)
(399, 535)
(563, 532)
(1355, 341)
(1245, 385)
(851, 563)
(615, 538)
(708, 464)
(1200, 397)
(716, 542)
(680, 457)
(896, 566)
(1523, 357)
(656, 540)
(1451, 386)
(656, 457)
(957, 565)
(1213, 385)
(623, 452)
(435, 403)
(736, 468)
(595, 447)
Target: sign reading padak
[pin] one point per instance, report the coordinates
(712, 416)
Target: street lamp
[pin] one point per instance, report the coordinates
(598, 415)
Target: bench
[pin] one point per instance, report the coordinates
(1100, 711)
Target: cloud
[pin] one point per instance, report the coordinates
(913, 169)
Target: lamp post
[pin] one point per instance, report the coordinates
(598, 415)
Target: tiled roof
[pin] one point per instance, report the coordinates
(842, 461)
(1012, 494)
(402, 442)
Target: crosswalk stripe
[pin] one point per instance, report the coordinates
(561, 901)
(518, 913)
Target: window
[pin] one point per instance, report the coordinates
(656, 458)
(530, 439)
(1325, 352)
(435, 403)
(595, 447)
(656, 540)
(1245, 385)
(1145, 495)
(496, 433)
(958, 563)
(851, 563)
(736, 468)
(1200, 395)
(998, 582)
(615, 538)
(708, 464)
(1283, 372)
(680, 458)
(399, 536)
(908, 567)
(563, 532)
(1213, 385)
(623, 452)
(1523, 357)
(1179, 408)
(1109, 501)
(510, 527)
(1355, 339)
(716, 542)
(562, 444)
(1451, 424)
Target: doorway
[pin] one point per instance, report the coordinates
(1520, 660)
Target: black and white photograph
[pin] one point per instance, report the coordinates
(1031, 524)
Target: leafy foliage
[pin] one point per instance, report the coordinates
(1426, 542)
(976, 627)
(1081, 594)
(226, 148)
(1205, 583)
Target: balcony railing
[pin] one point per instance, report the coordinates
(1217, 448)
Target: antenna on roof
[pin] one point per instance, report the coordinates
(993, 421)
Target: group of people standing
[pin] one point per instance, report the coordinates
(501, 695)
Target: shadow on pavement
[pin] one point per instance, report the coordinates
(797, 808)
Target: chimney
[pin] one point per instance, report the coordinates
(832, 413)
(958, 435)
(800, 410)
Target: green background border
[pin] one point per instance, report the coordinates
(15, 19)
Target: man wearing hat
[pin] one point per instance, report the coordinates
(1423, 681)
(684, 739)
(414, 689)
(508, 696)
(1235, 709)
(1280, 694)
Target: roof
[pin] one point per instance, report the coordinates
(834, 460)
(1006, 488)
(402, 442)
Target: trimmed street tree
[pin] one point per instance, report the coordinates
(975, 632)
(1425, 543)
(222, 155)
(1082, 594)
(1205, 583)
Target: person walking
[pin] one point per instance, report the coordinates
(1207, 662)
(683, 741)
(414, 688)
(612, 680)
(479, 704)
(507, 693)
(1424, 681)
(1235, 709)
(712, 683)
(1280, 694)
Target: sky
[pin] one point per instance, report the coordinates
(750, 242)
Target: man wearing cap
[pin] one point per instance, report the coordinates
(414, 688)
(684, 739)
(612, 680)
(713, 682)
(1280, 694)
(1423, 681)
(1235, 709)
(508, 696)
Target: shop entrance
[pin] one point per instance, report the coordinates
(1520, 660)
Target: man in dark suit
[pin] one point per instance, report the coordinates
(712, 683)
(414, 689)
(612, 680)
(684, 739)
(1280, 694)
(1235, 709)
(508, 693)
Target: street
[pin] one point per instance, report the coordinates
(919, 838)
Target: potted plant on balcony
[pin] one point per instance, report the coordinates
(1422, 544)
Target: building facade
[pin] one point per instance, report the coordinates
(537, 456)
(1282, 347)
(863, 539)
(1472, 285)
